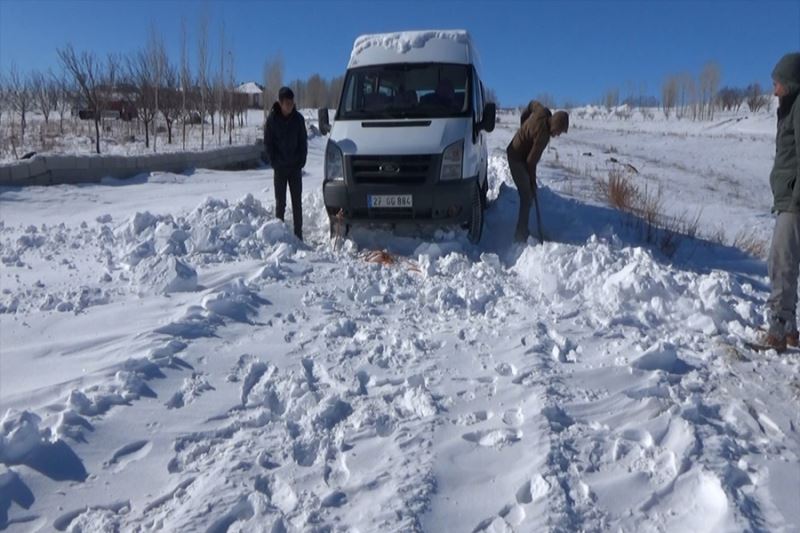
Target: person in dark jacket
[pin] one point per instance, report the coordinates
(286, 143)
(538, 125)
(784, 254)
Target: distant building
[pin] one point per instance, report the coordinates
(254, 93)
(120, 103)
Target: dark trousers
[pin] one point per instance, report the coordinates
(527, 190)
(294, 179)
(784, 267)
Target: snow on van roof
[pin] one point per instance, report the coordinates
(381, 47)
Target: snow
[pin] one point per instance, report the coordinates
(126, 138)
(174, 359)
(411, 46)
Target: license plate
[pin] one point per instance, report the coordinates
(390, 201)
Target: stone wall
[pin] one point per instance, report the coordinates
(66, 169)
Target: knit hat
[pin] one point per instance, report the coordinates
(787, 71)
(285, 94)
(560, 121)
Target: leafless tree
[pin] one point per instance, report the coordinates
(709, 84)
(219, 83)
(172, 102)
(241, 104)
(20, 93)
(273, 81)
(643, 99)
(156, 57)
(335, 91)
(3, 98)
(211, 106)
(94, 79)
(630, 94)
(142, 78)
(300, 90)
(186, 79)
(669, 94)
(45, 93)
(202, 76)
(730, 98)
(611, 98)
(756, 99)
(687, 96)
(66, 95)
(231, 91)
(317, 91)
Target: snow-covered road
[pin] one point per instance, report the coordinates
(173, 359)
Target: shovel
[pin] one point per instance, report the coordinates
(538, 215)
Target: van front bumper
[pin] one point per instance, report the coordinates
(442, 202)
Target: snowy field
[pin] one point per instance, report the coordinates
(119, 137)
(174, 360)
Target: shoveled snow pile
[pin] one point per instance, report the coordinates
(145, 253)
(215, 374)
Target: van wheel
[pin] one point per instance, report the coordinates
(476, 220)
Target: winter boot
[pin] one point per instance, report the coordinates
(793, 339)
(776, 342)
(776, 337)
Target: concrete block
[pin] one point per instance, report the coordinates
(20, 172)
(98, 162)
(37, 166)
(39, 180)
(181, 162)
(143, 163)
(5, 174)
(202, 160)
(60, 162)
(115, 163)
(82, 162)
(67, 177)
(163, 161)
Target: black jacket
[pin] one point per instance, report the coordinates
(285, 139)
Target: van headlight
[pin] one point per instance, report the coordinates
(452, 160)
(334, 162)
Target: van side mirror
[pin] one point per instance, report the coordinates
(324, 121)
(489, 117)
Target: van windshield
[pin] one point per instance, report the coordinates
(406, 90)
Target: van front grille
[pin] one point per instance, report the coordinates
(392, 170)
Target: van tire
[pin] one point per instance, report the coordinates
(475, 228)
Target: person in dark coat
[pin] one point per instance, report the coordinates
(286, 144)
(784, 254)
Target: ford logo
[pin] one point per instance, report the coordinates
(389, 168)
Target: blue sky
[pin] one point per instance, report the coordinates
(574, 50)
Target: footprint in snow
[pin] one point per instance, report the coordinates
(494, 438)
(514, 417)
(129, 453)
(473, 418)
(506, 369)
